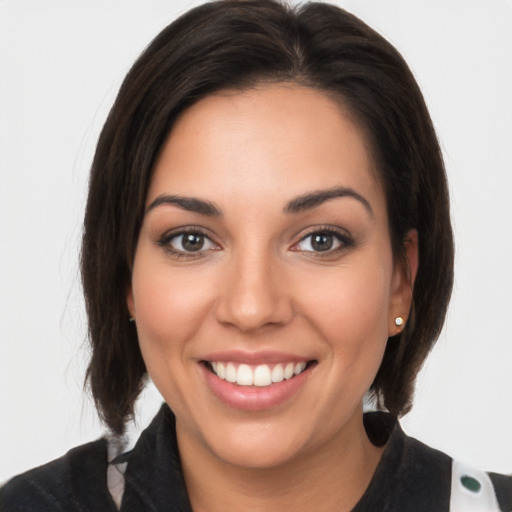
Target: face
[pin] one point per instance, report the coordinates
(264, 287)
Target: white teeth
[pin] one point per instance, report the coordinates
(230, 373)
(260, 375)
(299, 368)
(289, 370)
(278, 373)
(244, 375)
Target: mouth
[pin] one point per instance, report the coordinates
(256, 381)
(260, 375)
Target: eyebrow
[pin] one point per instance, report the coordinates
(299, 204)
(191, 204)
(313, 199)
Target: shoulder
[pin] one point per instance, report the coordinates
(503, 487)
(473, 489)
(414, 476)
(468, 488)
(410, 475)
(76, 481)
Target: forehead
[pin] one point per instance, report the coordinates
(275, 141)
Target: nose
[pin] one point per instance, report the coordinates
(254, 294)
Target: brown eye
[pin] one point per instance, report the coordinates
(322, 241)
(189, 242)
(319, 242)
(192, 242)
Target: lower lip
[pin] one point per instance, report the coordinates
(255, 398)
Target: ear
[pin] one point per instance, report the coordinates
(130, 302)
(402, 285)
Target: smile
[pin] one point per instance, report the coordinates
(260, 375)
(258, 381)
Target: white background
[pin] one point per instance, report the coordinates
(61, 63)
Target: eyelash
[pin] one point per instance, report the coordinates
(166, 242)
(343, 238)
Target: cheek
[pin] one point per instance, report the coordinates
(169, 304)
(350, 309)
(170, 308)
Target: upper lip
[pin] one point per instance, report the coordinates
(260, 357)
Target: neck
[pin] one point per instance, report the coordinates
(332, 477)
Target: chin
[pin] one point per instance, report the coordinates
(255, 445)
(262, 454)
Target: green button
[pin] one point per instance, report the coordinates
(470, 483)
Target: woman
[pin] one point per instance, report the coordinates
(267, 236)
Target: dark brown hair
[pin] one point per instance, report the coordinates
(239, 44)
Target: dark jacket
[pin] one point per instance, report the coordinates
(410, 476)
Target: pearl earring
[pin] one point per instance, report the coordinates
(132, 319)
(399, 321)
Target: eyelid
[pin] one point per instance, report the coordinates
(165, 240)
(344, 238)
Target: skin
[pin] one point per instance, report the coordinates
(257, 285)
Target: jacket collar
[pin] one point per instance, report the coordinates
(410, 475)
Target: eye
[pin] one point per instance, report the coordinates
(323, 241)
(188, 242)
